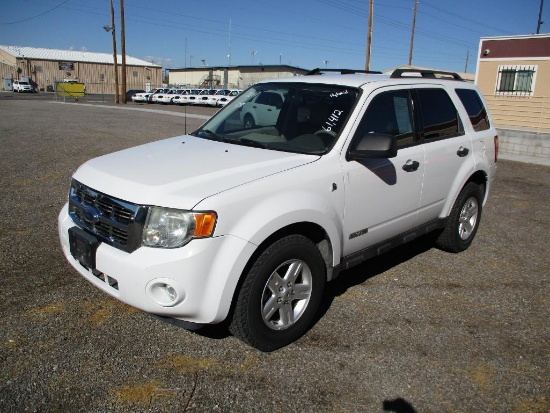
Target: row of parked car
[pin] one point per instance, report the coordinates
(171, 96)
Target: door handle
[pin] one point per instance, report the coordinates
(411, 166)
(462, 151)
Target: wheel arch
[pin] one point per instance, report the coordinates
(310, 230)
(251, 114)
(480, 178)
(314, 232)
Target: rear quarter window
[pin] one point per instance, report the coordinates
(475, 109)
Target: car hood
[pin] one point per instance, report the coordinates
(181, 171)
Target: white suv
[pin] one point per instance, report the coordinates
(22, 86)
(247, 222)
(263, 109)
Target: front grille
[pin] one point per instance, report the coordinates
(112, 220)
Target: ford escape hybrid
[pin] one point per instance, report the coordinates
(246, 219)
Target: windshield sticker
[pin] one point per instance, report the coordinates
(336, 94)
(332, 120)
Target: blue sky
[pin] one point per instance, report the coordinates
(303, 33)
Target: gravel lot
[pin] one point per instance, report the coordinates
(417, 330)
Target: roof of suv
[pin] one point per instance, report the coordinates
(358, 78)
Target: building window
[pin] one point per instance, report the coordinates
(102, 77)
(516, 80)
(135, 73)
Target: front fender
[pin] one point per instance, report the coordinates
(255, 211)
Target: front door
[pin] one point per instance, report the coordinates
(383, 195)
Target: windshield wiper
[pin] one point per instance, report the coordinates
(213, 136)
(208, 134)
(252, 142)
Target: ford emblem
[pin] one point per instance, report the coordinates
(91, 214)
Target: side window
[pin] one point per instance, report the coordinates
(389, 113)
(474, 106)
(438, 114)
(270, 99)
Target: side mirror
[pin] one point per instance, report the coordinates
(373, 145)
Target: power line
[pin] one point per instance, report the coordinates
(38, 15)
(395, 23)
(463, 18)
(342, 44)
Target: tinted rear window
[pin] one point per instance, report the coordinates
(474, 106)
(439, 115)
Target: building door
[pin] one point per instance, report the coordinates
(8, 84)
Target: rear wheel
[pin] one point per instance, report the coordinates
(280, 294)
(463, 221)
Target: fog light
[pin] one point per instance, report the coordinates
(165, 292)
(172, 294)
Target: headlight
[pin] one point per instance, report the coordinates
(172, 228)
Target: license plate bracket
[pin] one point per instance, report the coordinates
(83, 247)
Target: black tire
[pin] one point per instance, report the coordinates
(280, 294)
(463, 220)
(248, 121)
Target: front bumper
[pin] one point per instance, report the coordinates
(203, 275)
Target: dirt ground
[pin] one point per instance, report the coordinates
(417, 330)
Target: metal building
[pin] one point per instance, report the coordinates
(233, 77)
(46, 67)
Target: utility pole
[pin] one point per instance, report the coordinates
(123, 47)
(540, 16)
(114, 50)
(369, 34)
(412, 33)
(467, 59)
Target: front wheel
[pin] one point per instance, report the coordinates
(280, 294)
(463, 221)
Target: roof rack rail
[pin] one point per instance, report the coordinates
(425, 73)
(319, 71)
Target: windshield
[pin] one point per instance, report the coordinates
(293, 117)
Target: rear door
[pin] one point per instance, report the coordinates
(447, 148)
